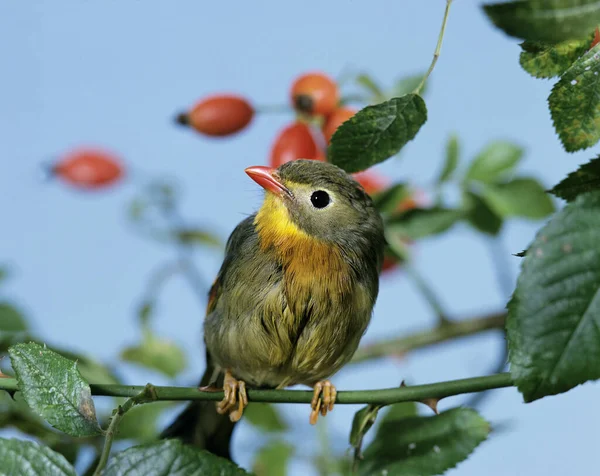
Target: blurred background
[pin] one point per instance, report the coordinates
(114, 74)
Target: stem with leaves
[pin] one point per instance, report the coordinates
(438, 49)
(384, 396)
(146, 395)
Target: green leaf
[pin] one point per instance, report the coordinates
(397, 411)
(543, 60)
(423, 446)
(91, 370)
(575, 103)
(198, 236)
(375, 133)
(13, 326)
(388, 200)
(408, 84)
(451, 160)
(585, 179)
(480, 216)
(141, 422)
(521, 197)
(549, 21)
(169, 457)
(368, 83)
(361, 423)
(158, 354)
(264, 416)
(553, 323)
(272, 459)
(54, 389)
(26, 458)
(422, 222)
(495, 161)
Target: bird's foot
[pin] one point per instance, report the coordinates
(324, 395)
(235, 399)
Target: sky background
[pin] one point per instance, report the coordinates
(113, 73)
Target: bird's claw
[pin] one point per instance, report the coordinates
(235, 398)
(324, 395)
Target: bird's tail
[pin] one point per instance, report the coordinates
(200, 425)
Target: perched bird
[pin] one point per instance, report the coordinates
(293, 297)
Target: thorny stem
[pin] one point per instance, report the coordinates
(146, 395)
(448, 331)
(438, 49)
(384, 396)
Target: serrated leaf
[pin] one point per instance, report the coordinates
(422, 222)
(408, 84)
(26, 458)
(395, 412)
(423, 446)
(479, 215)
(91, 370)
(158, 354)
(272, 459)
(553, 323)
(495, 161)
(54, 389)
(13, 326)
(575, 103)
(169, 457)
(141, 422)
(375, 133)
(521, 197)
(388, 200)
(585, 179)
(264, 416)
(450, 161)
(198, 236)
(549, 21)
(543, 60)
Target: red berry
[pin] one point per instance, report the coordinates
(294, 142)
(89, 168)
(219, 116)
(315, 94)
(335, 120)
(371, 182)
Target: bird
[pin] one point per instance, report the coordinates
(292, 299)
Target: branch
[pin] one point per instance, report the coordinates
(381, 397)
(447, 331)
(438, 49)
(146, 395)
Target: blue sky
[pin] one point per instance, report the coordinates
(113, 73)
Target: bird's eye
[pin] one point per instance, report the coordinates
(319, 199)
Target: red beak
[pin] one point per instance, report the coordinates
(266, 178)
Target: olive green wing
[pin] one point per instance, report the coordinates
(238, 237)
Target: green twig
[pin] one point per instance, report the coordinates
(438, 48)
(450, 330)
(382, 397)
(146, 395)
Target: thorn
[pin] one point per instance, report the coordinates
(431, 403)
